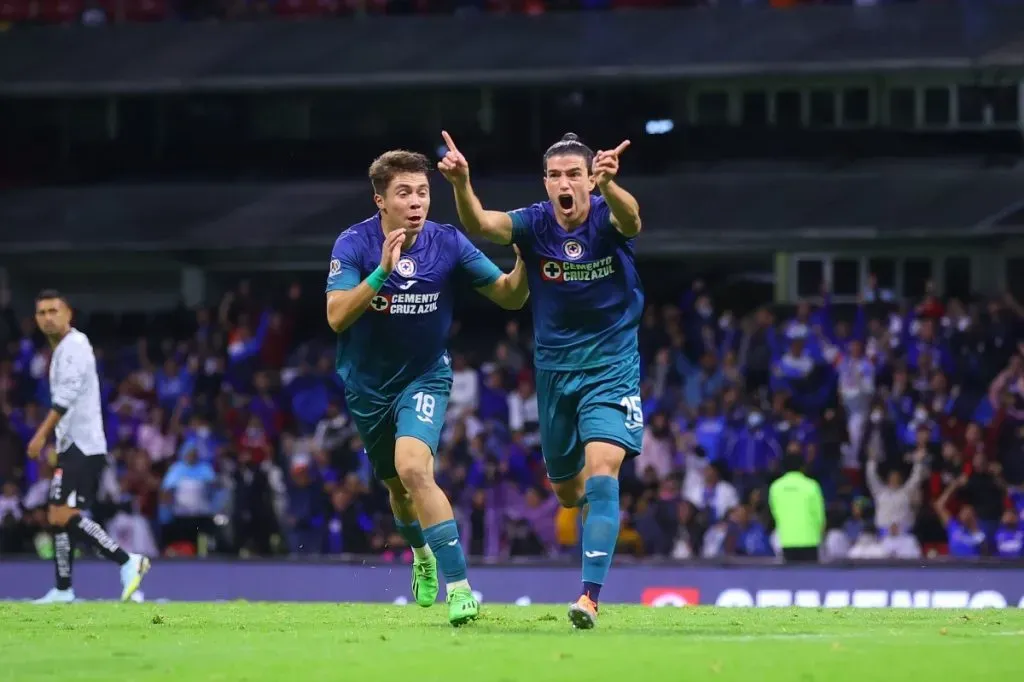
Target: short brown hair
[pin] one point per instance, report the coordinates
(389, 164)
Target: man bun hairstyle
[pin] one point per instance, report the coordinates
(570, 145)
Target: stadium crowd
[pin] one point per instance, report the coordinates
(102, 12)
(228, 433)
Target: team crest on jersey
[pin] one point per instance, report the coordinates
(573, 249)
(335, 267)
(406, 266)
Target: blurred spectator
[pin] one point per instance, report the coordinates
(523, 414)
(895, 499)
(868, 545)
(187, 499)
(232, 434)
(899, 543)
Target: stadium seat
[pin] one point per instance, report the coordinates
(61, 11)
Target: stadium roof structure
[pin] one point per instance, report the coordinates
(714, 211)
(430, 51)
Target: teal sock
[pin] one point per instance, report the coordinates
(601, 529)
(443, 539)
(412, 533)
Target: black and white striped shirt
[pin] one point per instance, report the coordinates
(75, 390)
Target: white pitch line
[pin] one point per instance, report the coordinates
(852, 635)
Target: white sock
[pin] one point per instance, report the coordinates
(457, 585)
(421, 553)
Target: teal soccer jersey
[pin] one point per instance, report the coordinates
(587, 301)
(393, 359)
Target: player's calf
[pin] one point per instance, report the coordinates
(86, 531)
(601, 526)
(424, 567)
(415, 466)
(570, 493)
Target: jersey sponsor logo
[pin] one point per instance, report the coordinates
(572, 249)
(335, 267)
(406, 267)
(670, 596)
(551, 270)
(405, 304)
(563, 271)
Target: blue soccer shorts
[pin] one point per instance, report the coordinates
(580, 406)
(417, 411)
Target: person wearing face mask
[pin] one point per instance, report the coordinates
(921, 426)
(754, 452)
(200, 437)
(879, 441)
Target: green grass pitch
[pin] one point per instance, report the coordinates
(243, 642)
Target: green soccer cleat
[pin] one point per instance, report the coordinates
(462, 607)
(424, 581)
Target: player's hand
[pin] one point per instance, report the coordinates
(35, 446)
(453, 166)
(392, 250)
(606, 164)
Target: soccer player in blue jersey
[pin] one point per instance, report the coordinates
(390, 290)
(587, 303)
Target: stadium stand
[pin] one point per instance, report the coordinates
(904, 394)
(243, 398)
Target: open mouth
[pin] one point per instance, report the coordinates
(415, 219)
(565, 201)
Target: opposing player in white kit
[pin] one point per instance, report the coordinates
(76, 418)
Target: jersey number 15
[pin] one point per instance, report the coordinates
(634, 412)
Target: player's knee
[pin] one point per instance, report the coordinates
(398, 492)
(568, 493)
(414, 464)
(604, 459)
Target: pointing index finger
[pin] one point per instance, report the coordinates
(621, 148)
(449, 141)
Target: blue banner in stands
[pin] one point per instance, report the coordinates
(679, 585)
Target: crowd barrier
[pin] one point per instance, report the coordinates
(903, 586)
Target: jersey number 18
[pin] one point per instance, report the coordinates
(424, 407)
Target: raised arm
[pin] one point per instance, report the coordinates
(494, 226)
(940, 504)
(348, 297)
(624, 207)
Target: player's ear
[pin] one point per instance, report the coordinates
(591, 180)
(379, 200)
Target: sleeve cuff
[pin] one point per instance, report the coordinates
(59, 409)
